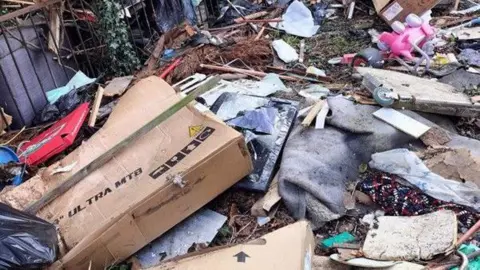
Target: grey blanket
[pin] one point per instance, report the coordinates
(317, 164)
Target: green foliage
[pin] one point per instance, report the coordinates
(121, 56)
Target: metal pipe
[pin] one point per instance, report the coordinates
(67, 37)
(81, 40)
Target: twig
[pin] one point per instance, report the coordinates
(241, 15)
(14, 137)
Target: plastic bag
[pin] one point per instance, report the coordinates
(407, 165)
(229, 14)
(171, 13)
(26, 242)
(63, 106)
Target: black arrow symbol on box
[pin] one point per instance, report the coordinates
(241, 256)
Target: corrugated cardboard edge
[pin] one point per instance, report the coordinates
(93, 240)
(307, 255)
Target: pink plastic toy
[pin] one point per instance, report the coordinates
(414, 37)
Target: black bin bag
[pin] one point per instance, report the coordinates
(26, 241)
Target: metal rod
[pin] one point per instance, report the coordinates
(91, 30)
(18, 68)
(57, 45)
(146, 18)
(31, 61)
(136, 18)
(40, 41)
(81, 40)
(67, 37)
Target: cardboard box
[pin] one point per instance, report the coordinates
(289, 248)
(159, 180)
(398, 10)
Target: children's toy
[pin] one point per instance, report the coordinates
(406, 40)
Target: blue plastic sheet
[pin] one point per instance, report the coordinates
(77, 81)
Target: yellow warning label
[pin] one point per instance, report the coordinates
(194, 130)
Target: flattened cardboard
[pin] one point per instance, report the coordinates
(132, 199)
(289, 248)
(380, 4)
(398, 10)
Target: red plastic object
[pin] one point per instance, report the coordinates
(170, 68)
(55, 139)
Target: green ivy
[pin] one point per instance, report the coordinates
(121, 56)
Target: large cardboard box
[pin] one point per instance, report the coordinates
(155, 183)
(289, 248)
(398, 10)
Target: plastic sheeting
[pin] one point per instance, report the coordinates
(407, 165)
(261, 120)
(170, 13)
(26, 242)
(264, 147)
(229, 14)
(298, 21)
(63, 106)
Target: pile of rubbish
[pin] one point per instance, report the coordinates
(279, 135)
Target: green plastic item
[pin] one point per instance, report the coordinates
(473, 264)
(344, 237)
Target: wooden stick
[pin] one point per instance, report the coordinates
(23, 11)
(455, 6)
(54, 26)
(20, 2)
(246, 71)
(105, 157)
(251, 16)
(262, 20)
(96, 107)
(153, 59)
(260, 33)
(351, 8)
(313, 113)
(301, 55)
(300, 73)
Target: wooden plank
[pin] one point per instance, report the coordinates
(273, 196)
(467, 33)
(23, 11)
(405, 84)
(313, 113)
(251, 16)
(96, 106)
(105, 157)
(117, 86)
(54, 27)
(402, 122)
(321, 116)
(262, 207)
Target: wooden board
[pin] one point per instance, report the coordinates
(402, 122)
(420, 94)
(96, 106)
(117, 86)
(467, 33)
